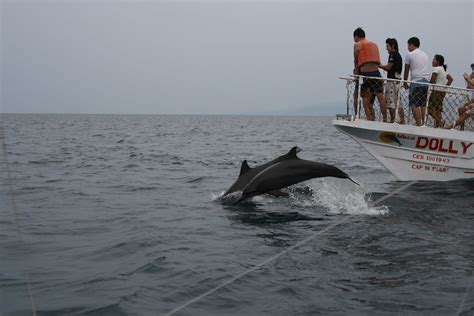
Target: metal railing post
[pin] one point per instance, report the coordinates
(361, 80)
(397, 106)
(428, 94)
(348, 99)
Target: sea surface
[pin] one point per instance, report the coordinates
(122, 215)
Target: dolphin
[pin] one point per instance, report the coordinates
(390, 137)
(280, 173)
(288, 172)
(247, 173)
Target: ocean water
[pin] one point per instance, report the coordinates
(122, 215)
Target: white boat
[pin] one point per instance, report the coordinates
(413, 152)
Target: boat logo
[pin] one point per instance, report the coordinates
(389, 137)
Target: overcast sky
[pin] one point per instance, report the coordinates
(207, 57)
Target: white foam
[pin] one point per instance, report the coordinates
(339, 198)
(217, 196)
(229, 198)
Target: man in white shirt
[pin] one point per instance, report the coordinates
(417, 62)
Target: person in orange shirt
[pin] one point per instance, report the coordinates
(366, 63)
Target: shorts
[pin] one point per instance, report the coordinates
(371, 86)
(391, 94)
(418, 94)
(436, 100)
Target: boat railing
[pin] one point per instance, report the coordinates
(442, 103)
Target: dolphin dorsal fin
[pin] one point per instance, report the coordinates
(292, 153)
(244, 168)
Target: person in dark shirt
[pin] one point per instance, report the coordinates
(394, 71)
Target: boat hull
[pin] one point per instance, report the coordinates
(415, 153)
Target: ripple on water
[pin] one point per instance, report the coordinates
(118, 221)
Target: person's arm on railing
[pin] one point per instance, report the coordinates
(405, 75)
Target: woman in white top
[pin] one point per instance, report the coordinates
(439, 76)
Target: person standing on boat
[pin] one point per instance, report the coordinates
(469, 78)
(466, 109)
(416, 63)
(438, 77)
(394, 71)
(366, 63)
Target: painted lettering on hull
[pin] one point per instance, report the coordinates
(431, 158)
(442, 145)
(426, 168)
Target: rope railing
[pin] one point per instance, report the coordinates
(440, 103)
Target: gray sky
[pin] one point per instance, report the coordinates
(207, 57)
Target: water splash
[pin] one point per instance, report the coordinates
(334, 195)
(228, 199)
(217, 196)
(235, 196)
(338, 198)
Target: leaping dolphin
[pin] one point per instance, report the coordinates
(247, 173)
(280, 173)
